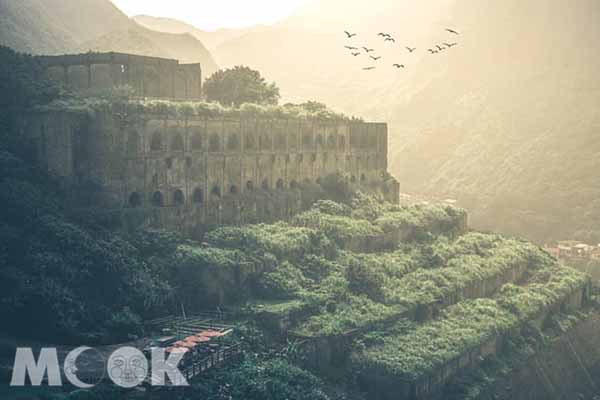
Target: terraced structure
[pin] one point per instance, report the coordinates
(401, 299)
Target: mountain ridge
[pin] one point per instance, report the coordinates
(67, 26)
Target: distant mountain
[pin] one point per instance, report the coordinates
(507, 121)
(56, 26)
(211, 39)
(65, 26)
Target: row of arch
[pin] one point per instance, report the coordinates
(158, 142)
(178, 199)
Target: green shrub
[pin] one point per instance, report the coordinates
(284, 282)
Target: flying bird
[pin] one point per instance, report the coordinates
(432, 51)
(440, 48)
(398, 65)
(382, 34)
(351, 48)
(390, 39)
(355, 54)
(450, 44)
(350, 35)
(452, 31)
(368, 68)
(410, 50)
(375, 58)
(368, 50)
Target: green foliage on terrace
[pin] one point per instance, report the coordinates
(461, 327)
(418, 216)
(546, 287)
(467, 325)
(281, 239)
(119, 102)
(471, 259)
(414, 275)
(347, 314)
(338, 227)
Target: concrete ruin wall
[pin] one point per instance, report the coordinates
(179, 173)
(148, 76)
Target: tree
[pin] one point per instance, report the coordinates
(240, 85)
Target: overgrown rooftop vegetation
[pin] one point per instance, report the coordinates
(123, 102)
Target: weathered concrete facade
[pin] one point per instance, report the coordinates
(180, 173)
(148, 76)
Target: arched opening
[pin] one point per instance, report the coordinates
(319, 140)
(169, 163)
(157, 199)
(331, 142)
(178, 198)
(135, 200)
(198, 196)
(156, 141)
(306, 140)
(265, 142)
(294, 185)
(233, 142)
(233, 190)
(177, 143)
(280, 142)
(250, 186)
(215, 143)
(216, 191)
(197, 140)
(133, 142)
(249, 142)
(265, 184)
(353, 179)
(363, 178)
(280, 184)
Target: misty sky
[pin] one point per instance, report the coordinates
(211, 15)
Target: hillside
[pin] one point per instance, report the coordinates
(504, 122)
(211, 39)
(67, 26)
(56, 26)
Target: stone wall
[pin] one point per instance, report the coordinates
(179, 173)
(148, 76)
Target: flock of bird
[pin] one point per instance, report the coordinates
(357, 51)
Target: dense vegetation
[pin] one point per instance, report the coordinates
(468, 324)
(121, 100)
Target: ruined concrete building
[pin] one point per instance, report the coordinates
(148, 76)
(187, 173)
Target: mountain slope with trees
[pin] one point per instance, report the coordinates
(505, 122)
